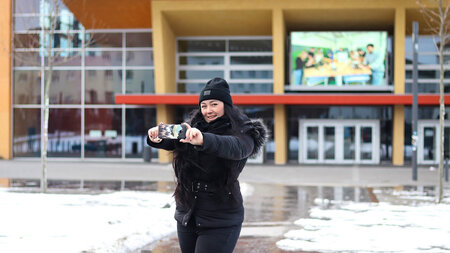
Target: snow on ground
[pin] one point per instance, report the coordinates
(374, 227)
(108, 222)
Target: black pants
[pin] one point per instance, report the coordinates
(207, 240)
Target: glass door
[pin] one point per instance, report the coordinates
(428, 142)
(339, 141)
(349, 143)
(329, 133)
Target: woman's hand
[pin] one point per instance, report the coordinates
(153, 134)
(193, 136)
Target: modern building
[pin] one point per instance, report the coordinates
(122, 66)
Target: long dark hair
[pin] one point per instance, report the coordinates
(184, 155)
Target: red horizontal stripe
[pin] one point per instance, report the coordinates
(285, 99)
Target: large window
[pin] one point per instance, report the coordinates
(428, 65)
(89, 68)
(245, 62)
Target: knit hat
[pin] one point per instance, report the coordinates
(216, 88)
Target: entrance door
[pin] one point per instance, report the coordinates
(428, 142)
(339, 141)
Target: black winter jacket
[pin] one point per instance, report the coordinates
(218, 206)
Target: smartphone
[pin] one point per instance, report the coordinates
(172, 131)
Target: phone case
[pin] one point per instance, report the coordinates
(172, 131)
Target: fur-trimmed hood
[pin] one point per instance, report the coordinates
(259, 133)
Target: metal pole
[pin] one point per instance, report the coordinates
(446, 170)
(414, 105)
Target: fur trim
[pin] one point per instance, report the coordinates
(258, 131)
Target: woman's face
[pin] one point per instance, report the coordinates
(212, 109)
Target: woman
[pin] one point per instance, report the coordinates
(207, 163)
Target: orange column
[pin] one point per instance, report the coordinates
(5, 79)
(398, 133)
(164, 49)
(5, 83)
(279, 111)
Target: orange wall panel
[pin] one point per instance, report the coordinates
(5, 79)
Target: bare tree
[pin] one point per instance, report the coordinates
(436, 13)
(44, 37)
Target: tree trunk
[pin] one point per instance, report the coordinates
(441, 102)
(48, 81)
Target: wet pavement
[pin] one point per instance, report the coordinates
(270, 211)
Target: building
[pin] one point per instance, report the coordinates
(123, 66)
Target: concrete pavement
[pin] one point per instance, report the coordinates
(291, 174)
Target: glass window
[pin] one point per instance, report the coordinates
(62, 7)
(65, 58)
(62, 40)
(253, 60)
(103, 58)
(251, 87)
(139, 39)
(64, 133)
(26, 23)
(349, 142)
(366, 143)
(27, 87)
(185, 46)
(102, 85)
(94, 39)
(27, 59)
(312, 144)
(26, 40)
(200, 74)
(192, 88)
(250, 46)
(140, 81)
(423, 59)
(26, 6)
(103, 133)
(67, 21)
(426, 43)
(446, 142)
(330, 142)
(138, 121)
(201, 60)
(27, 132)
(428, 74)
(140, 58)
(429, 149)
(251, 74)
(65, 87)
(428, 87)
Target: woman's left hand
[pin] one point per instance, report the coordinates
(193, 136)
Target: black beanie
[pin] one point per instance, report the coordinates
(216, 88)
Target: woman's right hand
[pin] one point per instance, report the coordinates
(153, 134)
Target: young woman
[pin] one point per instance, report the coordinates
(207, 163)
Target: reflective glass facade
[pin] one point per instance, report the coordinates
(428, 65)
(89, 67)
(245, 62)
